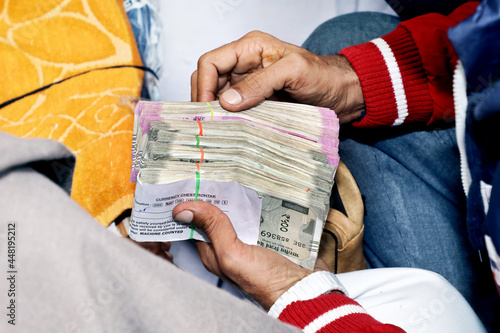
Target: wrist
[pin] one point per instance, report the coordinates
(354, 92)
(351, 102)
(288, 281)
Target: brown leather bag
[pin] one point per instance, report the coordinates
(341, 245)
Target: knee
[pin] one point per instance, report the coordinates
(436, 298)
(436, 305)
(437, 291)
(349, 29)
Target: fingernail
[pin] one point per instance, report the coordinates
(184, 216)
(231, 96)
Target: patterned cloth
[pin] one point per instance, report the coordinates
(61, 64)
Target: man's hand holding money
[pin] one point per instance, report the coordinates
(260, 272)
(245, 72)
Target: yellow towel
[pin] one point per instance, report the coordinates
(46, 41)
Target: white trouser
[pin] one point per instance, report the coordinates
(413, 299)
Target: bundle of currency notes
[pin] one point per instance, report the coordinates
(269, 168)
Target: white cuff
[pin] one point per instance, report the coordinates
(312, 286)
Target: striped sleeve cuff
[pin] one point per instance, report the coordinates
(311, 306)
(328, 313)
(395, 87)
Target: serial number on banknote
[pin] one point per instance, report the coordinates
(274, 236)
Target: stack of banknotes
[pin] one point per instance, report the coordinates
(270, 169)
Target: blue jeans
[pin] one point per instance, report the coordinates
(410, 179)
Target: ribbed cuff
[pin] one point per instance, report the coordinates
(310, 287)
(331, 313)
(395, 87)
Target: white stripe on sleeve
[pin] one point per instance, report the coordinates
(396, 79)
(332, 315)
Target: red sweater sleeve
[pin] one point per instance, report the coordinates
(406, 76)
(333, 313)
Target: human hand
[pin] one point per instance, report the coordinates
(245, 72)
(158, 248)
(260, 272)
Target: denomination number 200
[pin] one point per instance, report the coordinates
(285, 222)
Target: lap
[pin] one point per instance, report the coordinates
(415, 203)
(413, 299)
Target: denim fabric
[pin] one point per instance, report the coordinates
(415, 204)
(410, 179)
(347, 30)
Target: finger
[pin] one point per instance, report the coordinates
(157, 248)
(224, 82)
(211, 65)
(256, 87)
(208, 257)
(237, 78)
(211, 220)
(240, 57)
(209, 260)
(165, 246)
(222, 85)
(194, 87)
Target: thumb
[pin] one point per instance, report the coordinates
(211, 220)
(252, 90)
